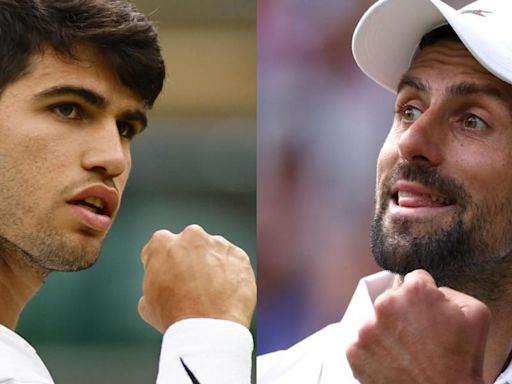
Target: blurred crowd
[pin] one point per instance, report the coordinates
(321, 123)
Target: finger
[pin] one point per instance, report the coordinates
(144, 255)
(142, 308)
(472, 308)
(193, 231)
(158, 238)
(419, 275)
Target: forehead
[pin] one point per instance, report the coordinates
(448, 62)
(88, 69)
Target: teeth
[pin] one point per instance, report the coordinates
(96, 201)
(403, 194)
(435, 198)
(439, 199)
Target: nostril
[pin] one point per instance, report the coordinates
(99, 169)
(420, 158)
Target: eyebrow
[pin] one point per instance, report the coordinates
(413, 82)
(467, 88)
(462, 89)
(94, 99)
(87, 95)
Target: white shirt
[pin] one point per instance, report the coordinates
(19, 362)
(214, 351)
(320, 358)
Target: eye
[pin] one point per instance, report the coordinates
(67, 111)
(408, 113)
(126, 130)
(475, 123)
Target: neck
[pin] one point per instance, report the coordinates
(19, 281)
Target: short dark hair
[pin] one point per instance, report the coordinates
(123, 35)
(444, 32)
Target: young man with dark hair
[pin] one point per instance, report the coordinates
(76, 80)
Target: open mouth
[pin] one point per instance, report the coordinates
(93, 204)
(408, 199)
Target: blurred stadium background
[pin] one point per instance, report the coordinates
(196, 163)
(321, 123)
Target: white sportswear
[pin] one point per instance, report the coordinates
(213, 351)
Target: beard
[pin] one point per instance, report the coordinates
(27, 232)
(52, 252)
(466, 255)
(32, 239)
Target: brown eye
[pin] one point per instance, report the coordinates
(126, 130)
(67, 111)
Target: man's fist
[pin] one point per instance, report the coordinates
(194, 274)
(422, 334)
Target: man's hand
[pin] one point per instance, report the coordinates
(194, 274)
(422, 334)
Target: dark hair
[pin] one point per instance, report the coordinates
(444, 32)
(122, 34)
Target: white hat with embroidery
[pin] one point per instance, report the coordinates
(387, 36)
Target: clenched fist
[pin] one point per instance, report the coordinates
(422, 334)
(193, 274)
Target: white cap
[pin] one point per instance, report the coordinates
(388, 35)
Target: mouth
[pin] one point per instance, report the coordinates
(417, 198)
(95, 206)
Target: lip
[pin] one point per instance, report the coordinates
(418, 189)
(110, 200)
(411, 187)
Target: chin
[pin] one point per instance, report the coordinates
(67, 257)
(71, 265)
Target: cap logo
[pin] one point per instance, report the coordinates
(477, 12)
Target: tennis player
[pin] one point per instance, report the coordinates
(77, 78)
(442, 229)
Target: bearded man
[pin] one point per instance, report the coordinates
(442, 229)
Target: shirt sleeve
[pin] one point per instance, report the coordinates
(206, 351)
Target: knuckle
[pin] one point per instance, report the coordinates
(419, 274)
(386, 305)
(352, 352)
(220, 239)
(162, 234)
(483, 312)
(142, 307)
(414, 289)
(193, 231)
(414, 285)
(237, 252)
(367, 334)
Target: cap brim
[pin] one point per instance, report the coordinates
(387, 37)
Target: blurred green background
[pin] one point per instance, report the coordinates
(196, 163)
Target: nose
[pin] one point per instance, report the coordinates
(105, 152)
(422, 141)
